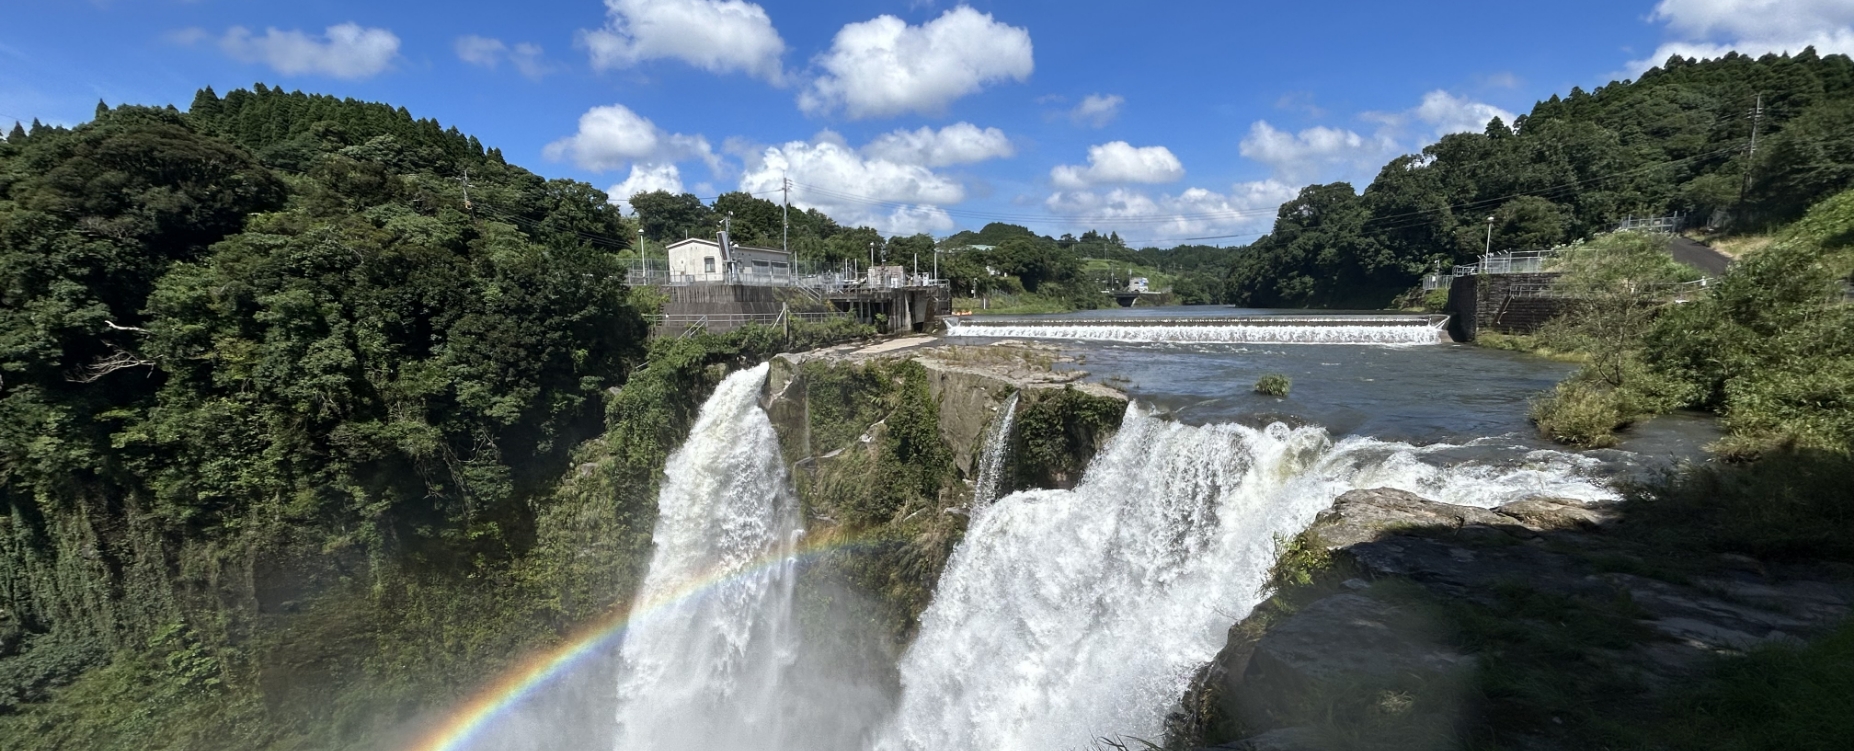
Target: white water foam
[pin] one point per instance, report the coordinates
(1065, 616)
(1337, 332)
(706, 672)
(993, 454)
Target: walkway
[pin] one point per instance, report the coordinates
(1698, 256)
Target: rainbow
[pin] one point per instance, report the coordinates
(482, 711)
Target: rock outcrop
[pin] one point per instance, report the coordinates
(1294, 660)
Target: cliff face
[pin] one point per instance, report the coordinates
(885, 442)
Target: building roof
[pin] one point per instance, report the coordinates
(717, 245)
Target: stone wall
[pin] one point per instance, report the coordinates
(1501, 303)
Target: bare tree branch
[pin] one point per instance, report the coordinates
(122, 360)
(137, 329)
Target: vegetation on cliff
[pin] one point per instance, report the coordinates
(296, 442)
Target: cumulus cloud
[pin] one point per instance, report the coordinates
(1711, 28)
(1312, 153)
(489, 53)
(959, 143)
(1446, 113)
(344, 51)
(884, 67)
(1097, 110)
(855, 189)
(612, 136)
(643, 179)
(1142, 218)
(719, 36)
(1119, 162)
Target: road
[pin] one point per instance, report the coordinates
(1698, 256)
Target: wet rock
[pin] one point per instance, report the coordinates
(1362, 516)
(1343, 643)
(1542, 514)
(1283, 739)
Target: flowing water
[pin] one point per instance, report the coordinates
(996, 449)
(1067, 615)
(709, 671)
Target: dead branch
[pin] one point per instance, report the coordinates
(137, 329)
(122, 360)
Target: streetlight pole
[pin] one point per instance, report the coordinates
(1487, 253)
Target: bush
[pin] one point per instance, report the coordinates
(1273, 384)
(1581, 414)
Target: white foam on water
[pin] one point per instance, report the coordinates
(1312, 332)
(1068, 615)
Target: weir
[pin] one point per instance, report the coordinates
(1335, 329)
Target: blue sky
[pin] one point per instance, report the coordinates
(1162, 121)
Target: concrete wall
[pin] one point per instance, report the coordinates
(1488, 303)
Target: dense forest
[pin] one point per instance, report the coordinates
(1676, 141)
(264, 349)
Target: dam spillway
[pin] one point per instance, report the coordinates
(1297, 329)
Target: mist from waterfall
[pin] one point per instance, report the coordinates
(1067, 615)
(722, 664)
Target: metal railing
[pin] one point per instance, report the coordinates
(1669, 224)
(1509, 262)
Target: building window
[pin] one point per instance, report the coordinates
(708, 265)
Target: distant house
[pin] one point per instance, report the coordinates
(701, 260)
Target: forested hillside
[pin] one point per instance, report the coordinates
(264, 350)
(1675, 141)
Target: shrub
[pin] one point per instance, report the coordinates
(1581, 414)
(1273, 384)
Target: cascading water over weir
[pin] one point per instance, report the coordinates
(1360, 329)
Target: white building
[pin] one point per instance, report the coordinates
(701, 260)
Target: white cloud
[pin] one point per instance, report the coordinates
(719, 36)
(1711, 28)
(344, 51)
(1140, 218)
(959, 143)
(489, 53)
(1097, 110)
(1447, 113)
(1119, 162)
(1312, 153)
(645, 178)
(612, 136)
(854, 189)
(884, 67)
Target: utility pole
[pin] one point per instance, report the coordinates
(1757, 115)
(640, 252)
(785, 222)
(466, 191)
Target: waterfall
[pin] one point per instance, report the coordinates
(704, 666)
(995, 450)
(1068, 615)
(1395, 330)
